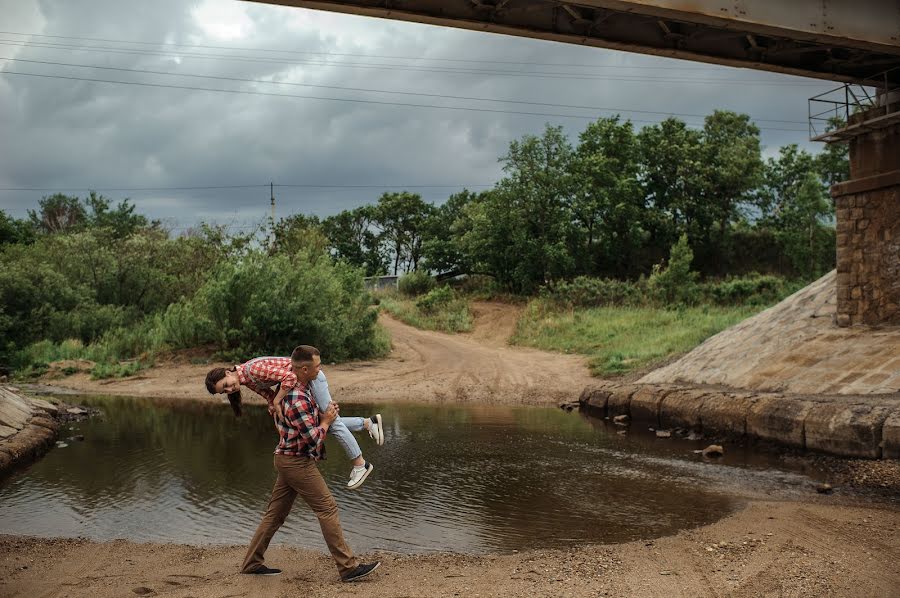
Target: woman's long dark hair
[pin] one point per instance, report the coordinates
(213, 378)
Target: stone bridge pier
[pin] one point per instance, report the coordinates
(868, 224)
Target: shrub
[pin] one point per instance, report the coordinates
(415, 283)
(676, 283)
(435, 299)
(585, 291)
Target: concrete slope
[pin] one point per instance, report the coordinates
(794, 347)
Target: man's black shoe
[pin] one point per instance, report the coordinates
(361, 571)
(263, 571)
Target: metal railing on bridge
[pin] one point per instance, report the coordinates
(855, 108)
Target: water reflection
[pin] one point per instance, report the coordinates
(449, 478)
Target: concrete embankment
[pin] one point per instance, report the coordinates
(27, 428)
(850, 426)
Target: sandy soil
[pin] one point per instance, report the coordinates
(829, 545)
(768, 549)
(423, 366)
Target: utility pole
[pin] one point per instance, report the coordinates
(272, 194)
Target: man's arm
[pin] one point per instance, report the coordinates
(311, 430)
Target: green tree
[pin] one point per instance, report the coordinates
(793, 201)
(13, 230)
(121, 220)
(295, 233)
(671, 174)
(445, 227)
(608, 203)
(401, 216)
(675, 283)
(352, 238)
(732, 166)
(58, 213)
(538, 189)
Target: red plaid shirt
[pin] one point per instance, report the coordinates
(262, 373)
(300, 433)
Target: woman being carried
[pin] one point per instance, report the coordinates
(272, 378)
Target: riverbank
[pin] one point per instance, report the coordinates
(423, 366)
(28, 428)
(818, 547)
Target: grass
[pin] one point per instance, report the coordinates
(619, 340)
(452, 316)
(40, 355)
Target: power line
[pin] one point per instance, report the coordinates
(205, 187)
(356, 101)
(342, 54)
(420, 94)
(404, 67)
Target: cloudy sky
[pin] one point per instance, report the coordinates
(360, 138)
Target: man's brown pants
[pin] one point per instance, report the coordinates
(299, 475)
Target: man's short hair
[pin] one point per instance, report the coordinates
(304, 354)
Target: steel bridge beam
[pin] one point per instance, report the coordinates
(839, 40)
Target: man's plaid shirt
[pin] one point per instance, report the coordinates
(300, 432)
(263, 373)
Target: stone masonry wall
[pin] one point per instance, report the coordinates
(868, 257)
(868, 230)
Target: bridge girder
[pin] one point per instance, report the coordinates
(839, 40)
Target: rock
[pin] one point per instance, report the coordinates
(622, 432)
(61, 444)
(663, 434)
(44, 405)
(78, 437)
(569, 406)
(694, 436)
(621, 420)
(142, 591)
(713, 450)
(824, 488)
(76, 411)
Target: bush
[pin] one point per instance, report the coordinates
(435, 299)
(754, 289)
(415, 283)
(585, 291)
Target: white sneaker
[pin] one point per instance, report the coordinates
(376, 430)
(359, 474)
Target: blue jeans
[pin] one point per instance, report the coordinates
(342, 427)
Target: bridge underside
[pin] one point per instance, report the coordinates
(839, 40)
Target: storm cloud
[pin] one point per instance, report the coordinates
(70, 135)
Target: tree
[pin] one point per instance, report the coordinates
(538, 186)
(352, 238)
(441, 247)
(732, 166)
(793, 201)
(58, 213)
(401, 218)
(671, 175)
(607, 202)
(13, 230)
(297, 232)
(121, 220)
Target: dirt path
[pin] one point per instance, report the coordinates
(423, 366)
(768, 549)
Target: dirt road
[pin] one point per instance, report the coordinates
(423, 366)
(833, 545)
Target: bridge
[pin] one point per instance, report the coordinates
(855, 42)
